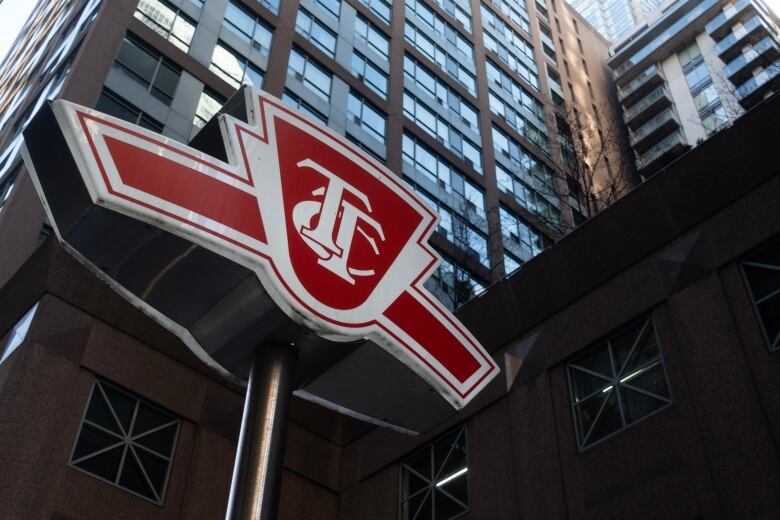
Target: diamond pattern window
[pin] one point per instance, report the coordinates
(617, 383)
(126, 441)
(434, 481)
(762, 274)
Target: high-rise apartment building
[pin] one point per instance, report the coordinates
(466, 100)
(614, 19)
(692, 70)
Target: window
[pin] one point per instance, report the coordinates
(126, 441)
(519, 94)
(381, 8)
(705, 97)
(234, 68)
(762, 274)
(367, 116)
(446, 61)
(516, 11)
(370, 34)
(519, 236)
(505, 38)
(247, 26)
(418, 74)
(452, 284)
(19, 331)
(296, 102)
(528, 197)
(616, 383)
(168, 21)
(313, 75)
(112, 104)
(145, 66)
(434, 481)
(439, 171)
(511, 264)
(689, 56)
(524, 164)
(521, 124)
(697, 75)
(331, 6)
(714, 119)
(461, 11)
(440, 129)
(438, 25)
(453, 225)
(369, 73)
(271, 5)
(362, 145)
(208, 105)
(308, 25)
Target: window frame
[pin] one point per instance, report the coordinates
(127, 443)
(648, 327)
(458, 433)
(772, 345)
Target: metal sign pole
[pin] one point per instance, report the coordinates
(257, 473)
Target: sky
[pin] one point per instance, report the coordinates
(13, 14)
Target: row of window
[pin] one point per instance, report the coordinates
(525, 163)
(418, 74)
(509, 56)
(446, 61)
(519, 123)
(439, 26)
(528, 197)
(455, 228)
(516, 11)
(441, 129)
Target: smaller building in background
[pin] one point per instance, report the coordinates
(614, 19)
(693, 69)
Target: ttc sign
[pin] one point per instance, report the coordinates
(337, 241)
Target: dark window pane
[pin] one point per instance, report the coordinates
(608, 421)
(160, 441)
(104, 465)
(122, 404)
(99, 413)
(93, 440)
(148, 418)
(637, 405)
(156, 468)
(764, 280)
(132, 477)
(137, 60)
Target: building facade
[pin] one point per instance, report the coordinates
(466, 100)
(640, 380)
(614, 19)
(692, 70)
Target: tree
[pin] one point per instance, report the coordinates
(595, 164)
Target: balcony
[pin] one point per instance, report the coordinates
(749, 33)
(650, 133)
(647, 107)
(719, 26)
(641, 85)
(663, 152)
(762, 53)
(754, 90)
